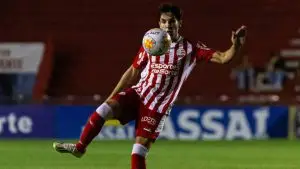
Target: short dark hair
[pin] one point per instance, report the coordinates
(169, 7)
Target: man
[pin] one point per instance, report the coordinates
(150, 100)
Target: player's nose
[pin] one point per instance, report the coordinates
(165, 29)
(168, 28)
(167, 24)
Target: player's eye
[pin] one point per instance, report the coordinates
(172, 21)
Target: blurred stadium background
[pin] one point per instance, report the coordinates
(62, 58)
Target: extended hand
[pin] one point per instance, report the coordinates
(238, 37)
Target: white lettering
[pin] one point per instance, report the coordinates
(164, 69)
(209, 123)
(25, 125)
(116, 133)
(108, 132)
(120, 133)
(149, 120)
(261, 116)
(185, 122)
(2, 122)
(238, 127)
(22, 124)
(168, 131)
(131, 132)
(163, 66)
(12, 123)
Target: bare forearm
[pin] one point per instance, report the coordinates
(226, 56)
(122, 84)
(230, 53)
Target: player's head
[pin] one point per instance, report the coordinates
(170, 19)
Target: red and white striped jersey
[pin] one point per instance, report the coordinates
(162, 76)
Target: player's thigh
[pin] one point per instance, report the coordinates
(148, 125)
(127, 105)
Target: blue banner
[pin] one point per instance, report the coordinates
(189, 123)
(69, 120)
(226, 123)
(27, 121)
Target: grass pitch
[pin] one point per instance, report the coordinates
(276, 154)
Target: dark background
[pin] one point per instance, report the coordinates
(94, 41)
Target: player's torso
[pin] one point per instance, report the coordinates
(164, 75)
(171, 64)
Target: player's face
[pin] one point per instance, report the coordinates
(169, 23)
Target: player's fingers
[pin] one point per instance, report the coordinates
(233, 34)
(238, 31)
(244, 27)
(241, 31)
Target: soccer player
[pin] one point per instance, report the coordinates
(149, 100)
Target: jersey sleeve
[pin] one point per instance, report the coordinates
(202, 52)
(141, 59)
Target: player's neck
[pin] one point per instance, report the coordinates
(176, 38)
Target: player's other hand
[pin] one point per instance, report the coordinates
(238, 37)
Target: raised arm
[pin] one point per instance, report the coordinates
(238, 40)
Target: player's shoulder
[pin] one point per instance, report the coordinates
(141, 48)
(189, 42)
(195, 43)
